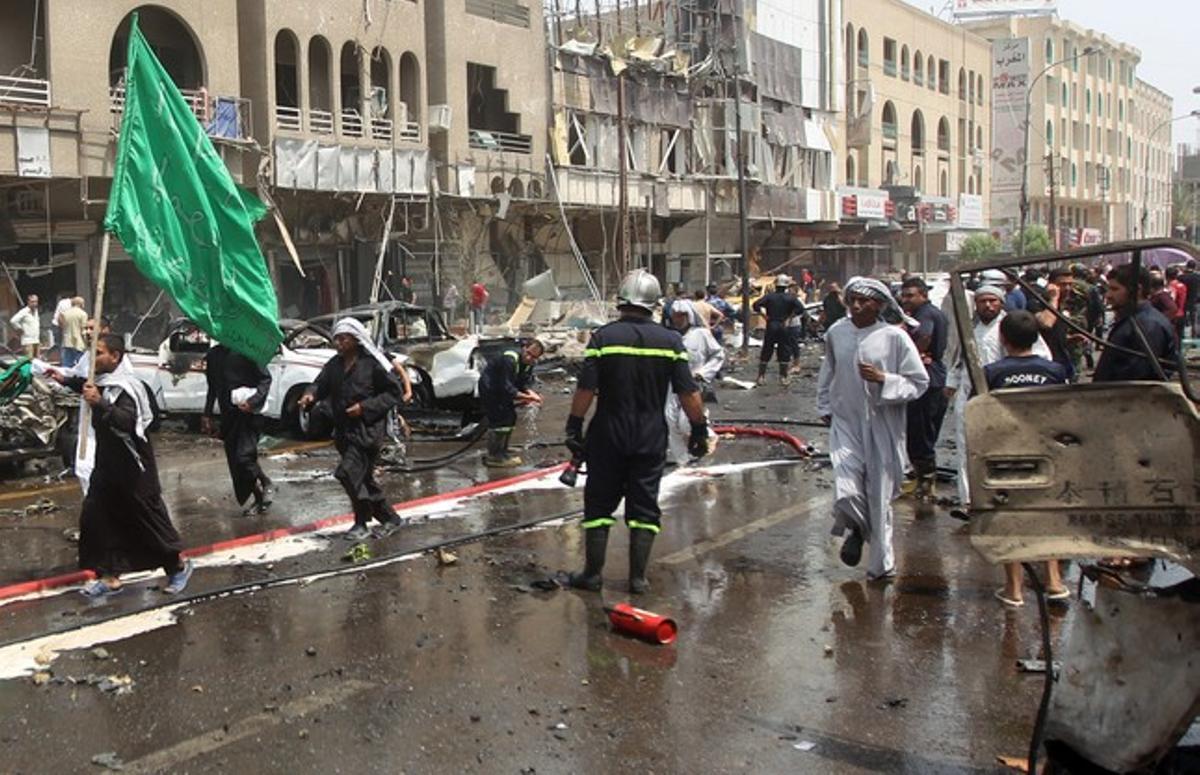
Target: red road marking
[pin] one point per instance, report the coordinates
(78, 577)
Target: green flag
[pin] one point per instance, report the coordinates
(179, 214)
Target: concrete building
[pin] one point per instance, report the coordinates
(1186, 193)
(1153, 159)
(681, 67)
(395, 135)
(1084, 129)
(913, 134)
(60, 105)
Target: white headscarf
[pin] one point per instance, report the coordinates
(686, 307)
(874, 289)
(122, 379)
(358, 331)
(990, 290)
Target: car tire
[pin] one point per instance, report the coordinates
(289, 413)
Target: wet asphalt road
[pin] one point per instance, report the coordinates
(416, 667)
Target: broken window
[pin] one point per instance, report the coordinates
(489, 123)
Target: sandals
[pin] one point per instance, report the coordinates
(1060, 594)
(99, 588)
(1008, 602)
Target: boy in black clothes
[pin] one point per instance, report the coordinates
(1021, 368)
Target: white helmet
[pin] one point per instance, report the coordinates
(639, 289)
(783, 281)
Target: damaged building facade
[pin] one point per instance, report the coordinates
(665, 81)
(392, 137)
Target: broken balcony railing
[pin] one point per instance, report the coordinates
(491, 140)
(224, 117)
(24, 91)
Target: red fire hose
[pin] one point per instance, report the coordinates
(802, 447)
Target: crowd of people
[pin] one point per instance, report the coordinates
(892, 369)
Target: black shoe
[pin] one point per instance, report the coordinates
(852, 548)
(640, 543)
(962, 514)
(266, 489)
(595, 543)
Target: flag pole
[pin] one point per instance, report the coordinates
(85, 417)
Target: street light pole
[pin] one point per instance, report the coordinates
(1146, 166)
(1025, 143)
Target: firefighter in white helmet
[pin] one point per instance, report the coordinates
(628, 367)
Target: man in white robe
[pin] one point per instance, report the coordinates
(705, 359)
(989, 311)
(871, 370)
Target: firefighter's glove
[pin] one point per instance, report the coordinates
(698, 441)
(575, 435)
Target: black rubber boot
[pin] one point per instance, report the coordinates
(595, 544)
(389, 520)
(640, 543)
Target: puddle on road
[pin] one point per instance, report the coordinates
(30, 656)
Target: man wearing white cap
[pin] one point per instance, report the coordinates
(870, 371)
(362, 390)
(989, 311)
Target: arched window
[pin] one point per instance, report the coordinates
(944, 184)
(849, 46)
(320, 86)
(864, 49)
(1049, 50)
(971, 86)
(888, 114)
(1087, 101)
(931, 73)
(979, 137)
(1074, 175)
(889, 173)
(178, 49)
(917, 132)
(850, 179)
(918, 69)
(979, 90)
(943, 135)
(1064, 94)
(287, 80)
(350, 90)
(1120, 110)
(1049, 133)
(962, 84)
(379, 101)
(904, 63)
(410, 87)
(1100, 104)
(917, 178)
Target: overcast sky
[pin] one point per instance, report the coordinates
(1166, 31)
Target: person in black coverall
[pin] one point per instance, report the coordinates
(629, 365)
(503, 384)
(226, 372)
(778, 307)
(362, 389)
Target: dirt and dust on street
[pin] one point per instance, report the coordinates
(302, 653)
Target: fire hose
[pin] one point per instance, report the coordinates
(392, 557)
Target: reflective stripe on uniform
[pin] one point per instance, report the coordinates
(503, 430)
(636, 525)
(645, 352)
(588, 524)
(513, 354)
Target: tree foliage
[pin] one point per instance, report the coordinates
(1036, 240)
(979, 247)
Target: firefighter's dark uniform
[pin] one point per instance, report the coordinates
(504, 376)
(778, 307)
(630, 364)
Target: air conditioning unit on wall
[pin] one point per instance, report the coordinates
(439, 118)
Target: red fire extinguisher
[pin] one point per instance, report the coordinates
(646, 625)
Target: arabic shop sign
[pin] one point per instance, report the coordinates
(971, 8)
